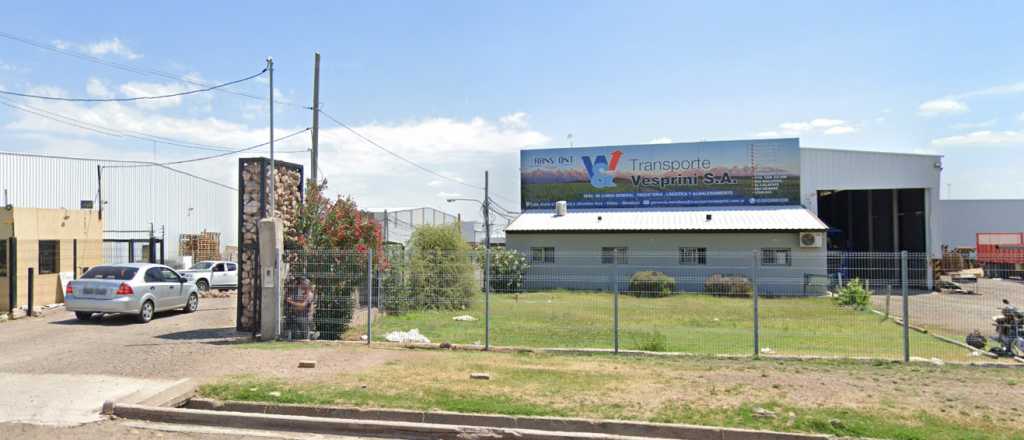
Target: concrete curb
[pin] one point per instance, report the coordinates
(546, 424)
(321, 425)
(173, 395)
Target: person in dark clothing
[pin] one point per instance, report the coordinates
(300, 303)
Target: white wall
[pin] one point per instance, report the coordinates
(578, 258)
(134, 196)
(962, 219)
(828, 169)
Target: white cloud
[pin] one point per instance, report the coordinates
(112, 46)
(661, 140)
(137, 89)
(448, 195)
(1021, 116)
(1002, 89)
(825, 122)
(827, 126)
(942, 106)
(840, 129)
(982, 138)
(97, 88)
(514, 120)
(975, 125)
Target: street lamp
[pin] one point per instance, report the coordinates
(486, 205)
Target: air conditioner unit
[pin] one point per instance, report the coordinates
(812, 239)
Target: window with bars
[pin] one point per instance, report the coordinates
(693, 256)
(614, 255)
(49, 256)
(3, 258)
(541, 255)
(776, 257)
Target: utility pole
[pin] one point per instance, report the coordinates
(316, 118)
(273, 194)
(487, 261)
(99, 188)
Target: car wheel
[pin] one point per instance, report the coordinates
(202, 285)
(83, 316)
(192, 304)
(146, 314)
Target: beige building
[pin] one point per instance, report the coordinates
(49, 241)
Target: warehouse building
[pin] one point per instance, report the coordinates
(655, 207)
(131, 199)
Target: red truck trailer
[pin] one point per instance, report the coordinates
(1001, 254)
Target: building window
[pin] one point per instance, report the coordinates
(541, 255)
(614, 255)
(49, 256)
(776, 257)
(693, 256)
(3, 258)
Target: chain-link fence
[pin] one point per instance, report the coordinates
(770, 302)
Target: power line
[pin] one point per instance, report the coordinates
(140, 70)
(215, 156)
(78, 123)
(137, 98)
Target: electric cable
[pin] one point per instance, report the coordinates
(136, 98)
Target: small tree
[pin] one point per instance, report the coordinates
(440, 271)
(331, 242)
(854, 294)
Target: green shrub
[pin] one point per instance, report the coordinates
(440, 272)
(728, 285)
(854, 294)
(651, 341)
(651, 284)
(508, 269)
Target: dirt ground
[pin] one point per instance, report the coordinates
(955, 315)
(203, 346)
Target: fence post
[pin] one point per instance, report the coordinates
(369, 296)
(615, 306)
(906, 307)
(487, 294)
(31, 290)
(757, 319)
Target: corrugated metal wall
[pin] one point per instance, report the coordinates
(962, 219)
(134, 196)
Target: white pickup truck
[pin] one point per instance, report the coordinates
(208, 275)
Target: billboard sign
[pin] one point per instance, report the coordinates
(718, 173)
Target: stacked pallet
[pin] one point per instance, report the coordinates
(203, 246)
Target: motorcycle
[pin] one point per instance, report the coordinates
(1009, 333)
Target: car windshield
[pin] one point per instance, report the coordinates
(202, 266)
(110, 273)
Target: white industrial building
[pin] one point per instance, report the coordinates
(867, 201)
(135, 197)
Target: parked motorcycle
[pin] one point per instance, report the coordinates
(1009, 333)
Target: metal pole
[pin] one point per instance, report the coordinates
(906, 307)
(757, 319)
(31, 290)
(152, 244)
(369, 296)
(615, 304)
(74, 259)
(273, 195)
(487, 262)
(316, 118)
(12, 276)
(99, 188)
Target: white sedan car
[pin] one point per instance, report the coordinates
(139, 289)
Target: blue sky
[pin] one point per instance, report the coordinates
(462, 86)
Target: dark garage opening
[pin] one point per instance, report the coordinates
(877, 220)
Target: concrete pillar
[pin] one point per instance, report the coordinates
(272, 274)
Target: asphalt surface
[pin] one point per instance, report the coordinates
(957, 314)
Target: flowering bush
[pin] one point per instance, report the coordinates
(508, 269)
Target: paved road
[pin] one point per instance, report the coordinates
(57, 371)
(956, 315)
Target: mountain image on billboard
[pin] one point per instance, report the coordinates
(718, 173)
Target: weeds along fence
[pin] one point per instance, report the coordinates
(768, 302)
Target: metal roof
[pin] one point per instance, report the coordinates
(782, 218)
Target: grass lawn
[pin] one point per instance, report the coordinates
(689, 323)
(843, 398)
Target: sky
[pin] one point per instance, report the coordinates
(460, 87)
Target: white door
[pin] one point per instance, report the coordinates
(231, 276)
(218, 275)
